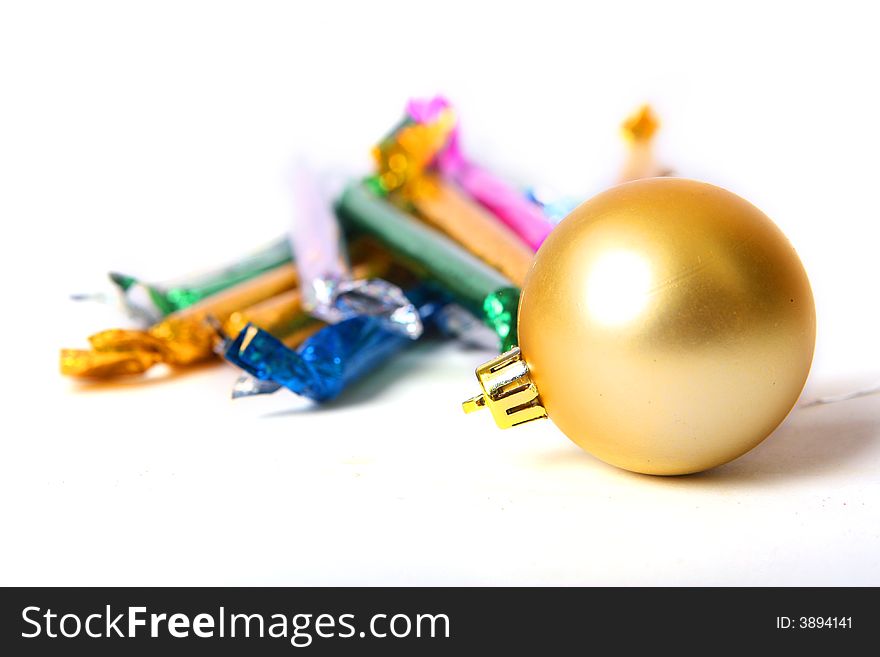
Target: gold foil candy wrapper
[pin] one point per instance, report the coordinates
(183, 338)
(409, 149)
(108, 364)
(189, 336)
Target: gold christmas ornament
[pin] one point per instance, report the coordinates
(666, 326)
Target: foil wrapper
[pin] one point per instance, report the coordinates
(455, 321)
(412, 146)
(272, 301)
(327, 362)
(429, 253)
(149, 302)
(330, 290)
(183, 338)
(503, 200)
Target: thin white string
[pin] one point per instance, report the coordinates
(833, 399)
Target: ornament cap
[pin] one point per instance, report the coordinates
(508, 391)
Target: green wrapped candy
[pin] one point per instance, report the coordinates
(472, 283)
(156, 300)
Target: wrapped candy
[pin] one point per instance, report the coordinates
(404, 157)
(442, 205)
(152, 301)
(183, 338)
(331, 359)
(411, 147)
(639, 130)
(504, 201)
(189, 336)
(470, 282)
(283, 315)
(330, 291)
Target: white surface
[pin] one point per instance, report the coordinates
(157, 138)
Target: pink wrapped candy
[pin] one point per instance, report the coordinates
(506, 202)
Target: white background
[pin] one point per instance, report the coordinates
(157, 138)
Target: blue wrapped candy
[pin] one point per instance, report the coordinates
(331, 359)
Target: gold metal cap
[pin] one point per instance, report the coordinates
(507, 391)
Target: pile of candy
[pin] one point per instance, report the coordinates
(430, 242)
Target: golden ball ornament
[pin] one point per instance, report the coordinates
(666, 326)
